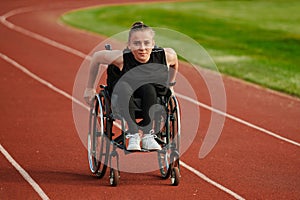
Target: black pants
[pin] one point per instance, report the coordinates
(148, 95)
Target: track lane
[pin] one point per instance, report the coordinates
(198, 147)
(23, 173)
(253, 165)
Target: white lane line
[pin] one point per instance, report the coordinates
(65, 94)
(204, 177)
(241, 121)
(35, 35)
(42, 81)
(25, 175)
(71, 50)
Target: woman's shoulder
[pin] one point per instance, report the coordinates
(171, 56)
(169, 50)
(110, 57)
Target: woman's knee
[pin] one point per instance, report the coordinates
(147, 89)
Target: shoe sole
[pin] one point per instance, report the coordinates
(134, 149)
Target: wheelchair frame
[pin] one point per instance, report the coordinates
(103, 143)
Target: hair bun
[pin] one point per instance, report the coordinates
(138, 24)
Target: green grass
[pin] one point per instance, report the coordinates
(258, 41)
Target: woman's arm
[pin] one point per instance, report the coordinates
(172, 62)
(103, 57)
(99, 58)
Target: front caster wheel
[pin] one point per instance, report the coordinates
(175, 176)
(114, 177)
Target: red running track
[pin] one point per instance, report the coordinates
(38, 131)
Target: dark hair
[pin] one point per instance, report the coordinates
(139, 26)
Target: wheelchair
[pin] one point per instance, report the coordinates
(104, 141)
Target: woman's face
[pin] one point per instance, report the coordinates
(141, 44)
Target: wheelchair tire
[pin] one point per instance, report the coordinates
(164, 163)
(114, 177)
(172, 138)
(175, 176)
(99, 136)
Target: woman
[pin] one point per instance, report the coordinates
(141, 46)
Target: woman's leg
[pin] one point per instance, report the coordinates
(149, 98)
(126, 105)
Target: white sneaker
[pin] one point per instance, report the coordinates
(150, 143)
(134, 142)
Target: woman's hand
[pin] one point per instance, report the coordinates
(172, 91)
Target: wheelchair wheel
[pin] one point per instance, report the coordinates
(164, 163)
(175, 176)
(114, 177)
(168, 157)
(99, 136)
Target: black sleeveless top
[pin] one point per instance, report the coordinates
(157, 56)
(155, 71)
